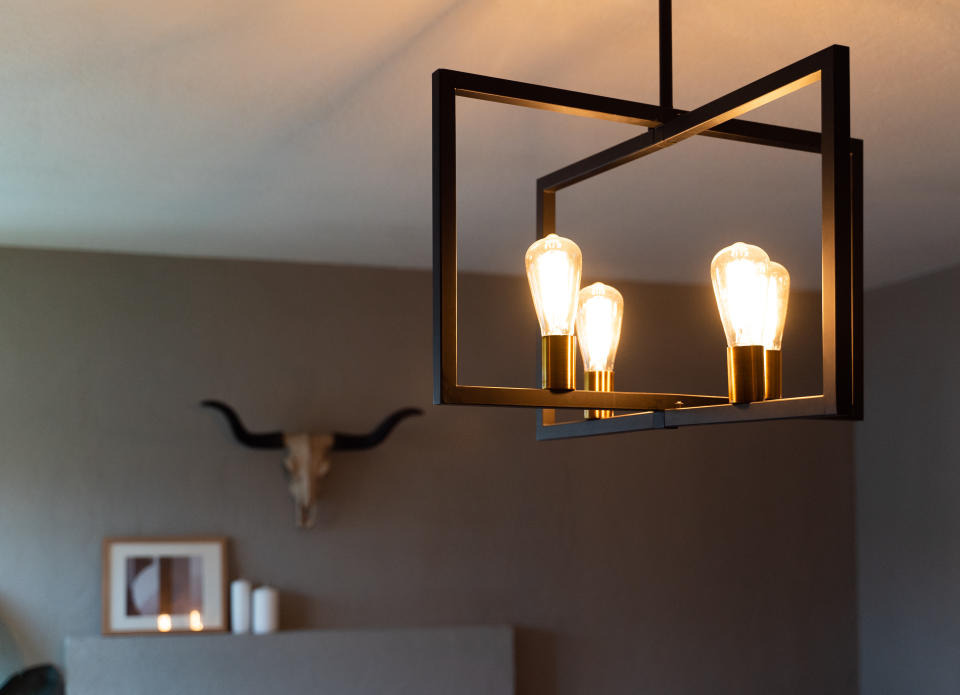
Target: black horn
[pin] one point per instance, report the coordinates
(265, 440)
(366, 441)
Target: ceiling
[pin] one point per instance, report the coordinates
(300, 130)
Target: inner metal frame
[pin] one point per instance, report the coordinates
(841, 234)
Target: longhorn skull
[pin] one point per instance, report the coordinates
(308, 455)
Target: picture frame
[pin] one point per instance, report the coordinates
(158, 585)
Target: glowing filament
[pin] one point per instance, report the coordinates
(778, 292)
(599, 320)
(741, 285)
(553, 271)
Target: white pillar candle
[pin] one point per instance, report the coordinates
(240, 606)
(264, 610)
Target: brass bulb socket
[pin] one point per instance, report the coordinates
(773, 374)
(745, 373)
(598, 381)
(558, 364)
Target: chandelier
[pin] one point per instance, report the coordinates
(751, 290)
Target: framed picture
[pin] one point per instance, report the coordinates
(157, 585)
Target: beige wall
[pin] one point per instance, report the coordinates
(704, 560)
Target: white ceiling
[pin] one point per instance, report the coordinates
(301, 130)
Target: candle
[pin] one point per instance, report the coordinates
(264, 610)
(240, 606)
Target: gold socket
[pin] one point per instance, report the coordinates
(745, 373)
(558, 364)
(598, 381)
(773, 374)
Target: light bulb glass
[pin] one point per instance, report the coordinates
(741, 285)
(778, 292)
(553, 271)
(599, 318)
(164, 622)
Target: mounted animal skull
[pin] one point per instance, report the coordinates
(308, 455)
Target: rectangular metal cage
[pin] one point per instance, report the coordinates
(842, 238)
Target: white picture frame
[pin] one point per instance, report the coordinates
(158, 585)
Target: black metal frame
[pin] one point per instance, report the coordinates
(842, 234)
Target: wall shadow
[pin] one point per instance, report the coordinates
(536, 661)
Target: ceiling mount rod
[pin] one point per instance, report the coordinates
(666, 60)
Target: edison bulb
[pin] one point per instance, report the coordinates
(740, 276)
(740, 283)
(196, 621)
(599, 319)
(778, 293)
(553, 271)
(164, 622)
